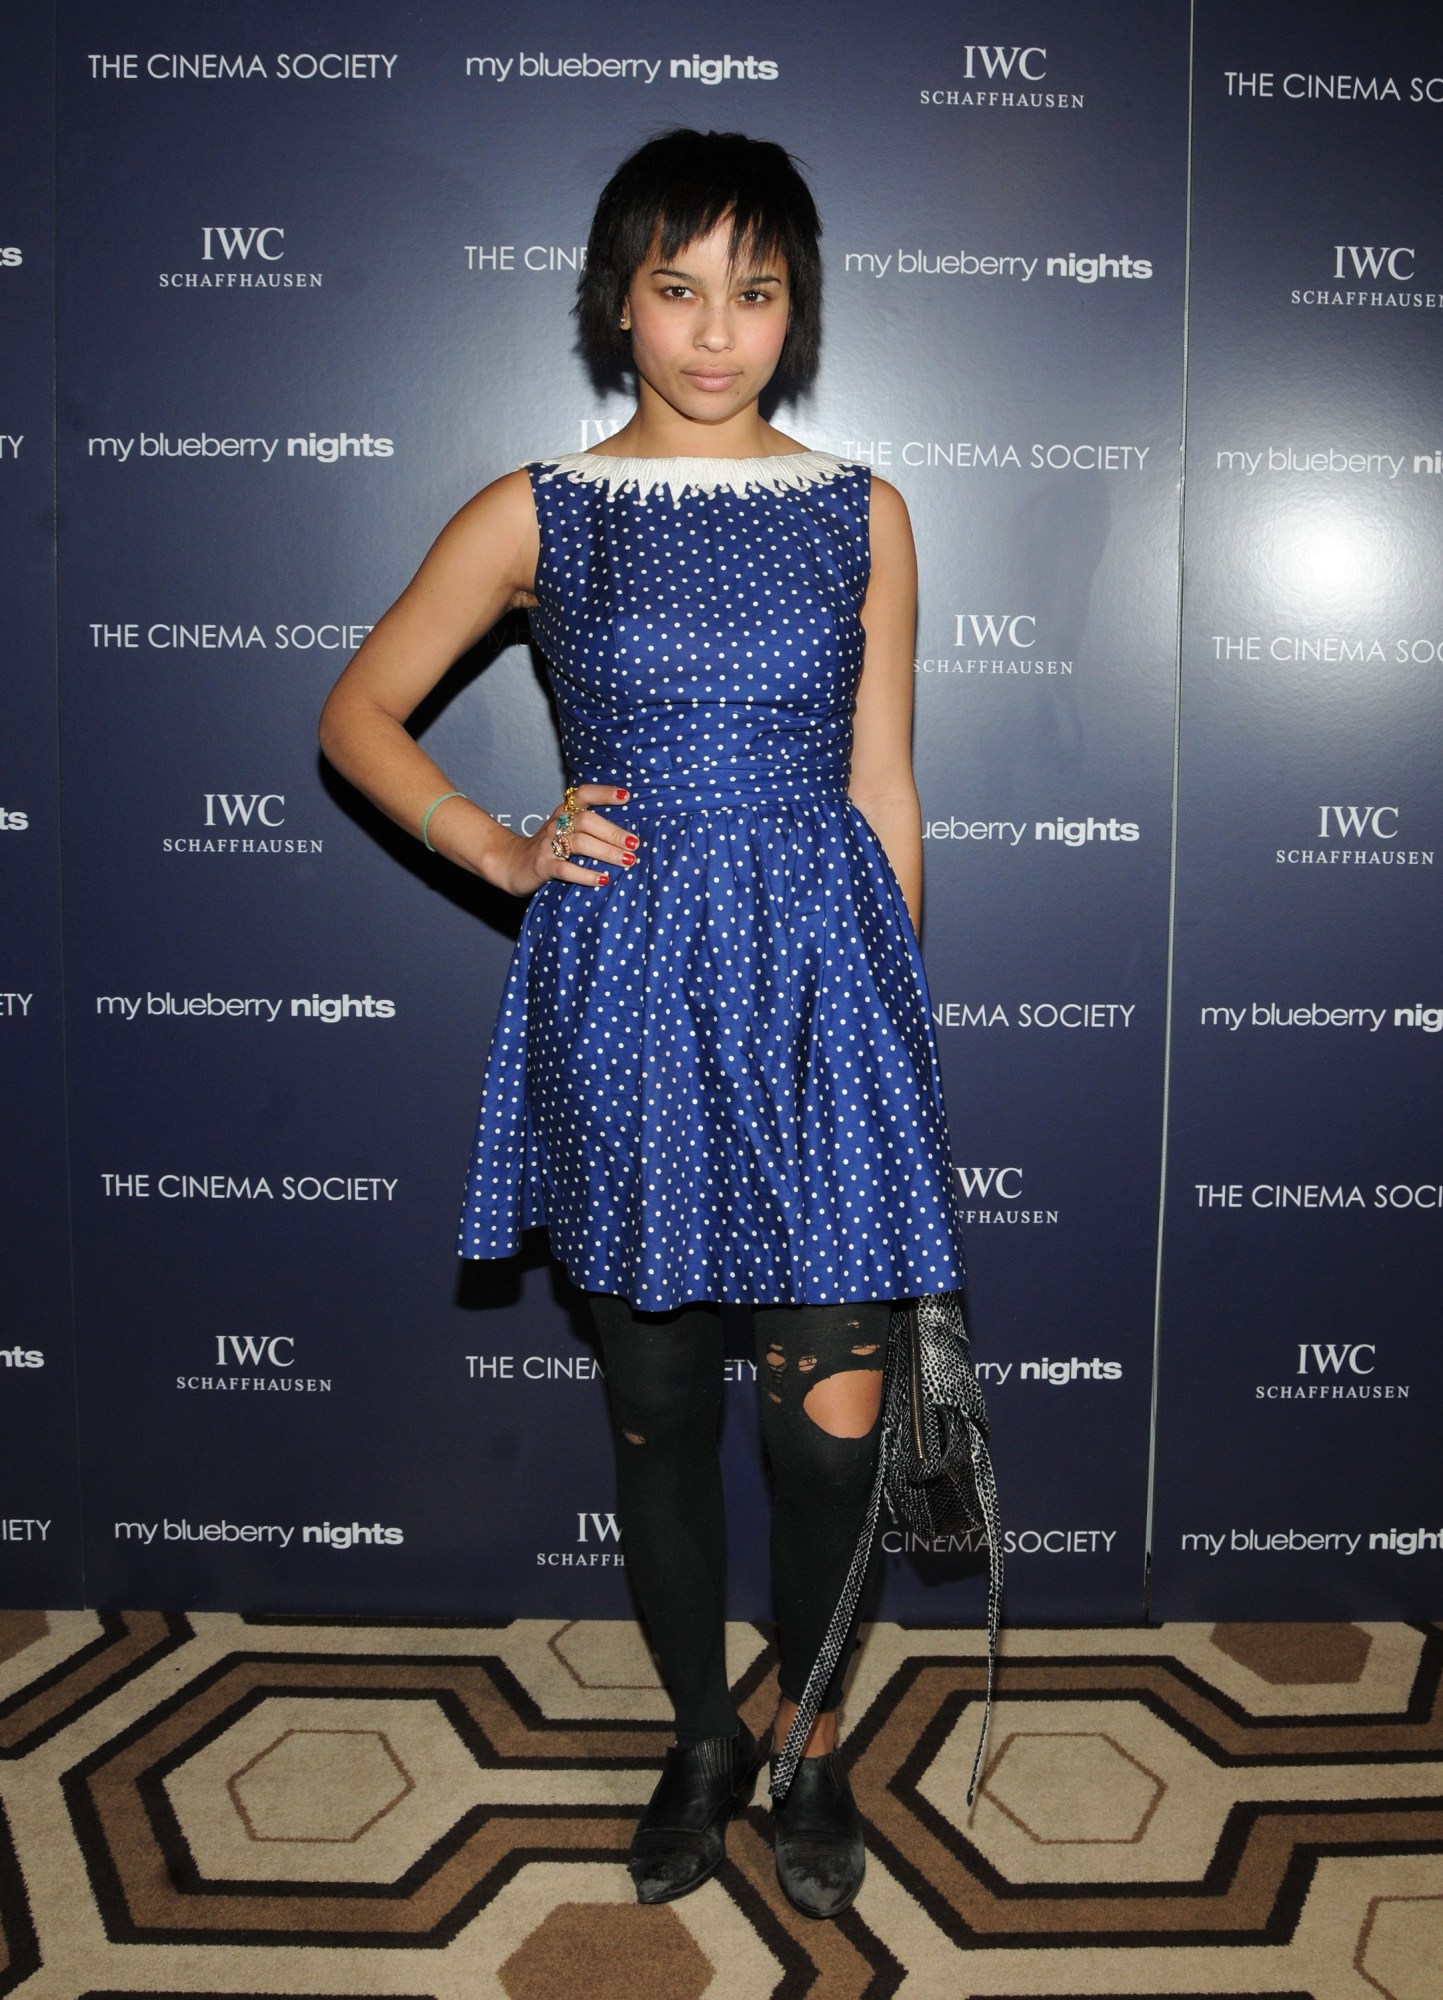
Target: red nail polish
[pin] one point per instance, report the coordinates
(622, 794)
(603, 878)
(631, 840)
(628, 860)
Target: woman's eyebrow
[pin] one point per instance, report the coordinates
(689, 278)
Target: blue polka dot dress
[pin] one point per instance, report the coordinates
(716, 1077)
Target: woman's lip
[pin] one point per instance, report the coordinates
(707, 380)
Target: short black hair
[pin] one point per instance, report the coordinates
(682, 185)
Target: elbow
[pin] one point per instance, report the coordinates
(326, 731)
(352, 730)
(332, 732)
(896, 798)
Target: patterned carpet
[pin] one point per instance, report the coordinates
(219, 1805)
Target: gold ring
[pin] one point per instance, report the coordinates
(566, 816)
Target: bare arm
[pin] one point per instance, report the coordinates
(882, 786)
(482, 564)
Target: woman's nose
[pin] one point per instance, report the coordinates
(714, 331)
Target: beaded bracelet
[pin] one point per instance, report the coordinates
(426, 820)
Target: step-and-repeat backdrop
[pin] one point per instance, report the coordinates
(1139, 308)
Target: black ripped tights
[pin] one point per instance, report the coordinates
(664, 1375)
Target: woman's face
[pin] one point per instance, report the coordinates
(705, 338)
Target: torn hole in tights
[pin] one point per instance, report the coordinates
(776, 1362)
(842, 1406)
(849, 1409)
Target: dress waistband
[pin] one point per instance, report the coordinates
(746, 791)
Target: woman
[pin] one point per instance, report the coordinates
(714, 1075)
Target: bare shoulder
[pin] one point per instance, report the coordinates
(506, 503)
(497, 529)
(893, 552)
(889, 509)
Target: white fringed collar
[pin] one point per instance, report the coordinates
(784, 472)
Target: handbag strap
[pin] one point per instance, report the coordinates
(992, 1521)
(785, 1762)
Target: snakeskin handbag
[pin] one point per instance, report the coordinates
(934, 1472)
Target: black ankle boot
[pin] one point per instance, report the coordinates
(817, 1832)
(681, 1838)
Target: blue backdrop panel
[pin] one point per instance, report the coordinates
(40, 1560)
(1300, 1373)
(314, 285)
